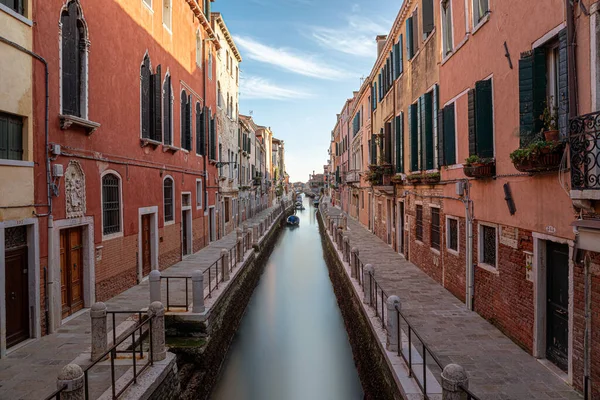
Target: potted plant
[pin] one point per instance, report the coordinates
(477, 167)
(415, 178)
(550, 119)
(374, 176)
(397, 179)
(431, 178)
(538, 156)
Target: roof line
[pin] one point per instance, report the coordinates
(219, 19)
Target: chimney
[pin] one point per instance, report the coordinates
(380, 39)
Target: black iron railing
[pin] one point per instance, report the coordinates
(113, 314)
(170, 303)
(584, 140)
(57, 394)
(470, 395)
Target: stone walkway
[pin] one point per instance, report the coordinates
(497, 367)
(30, 372)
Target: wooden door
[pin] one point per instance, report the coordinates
(17, 296)
(71, 270)
(146, 249)
(184, 233)
(557, 306)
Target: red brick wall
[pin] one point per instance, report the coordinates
(455, 265)
(169, 245)
(117, 271)
(199, 234)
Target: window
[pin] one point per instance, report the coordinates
(168, 111)
(481, 120)
(412, 36)
(168, 190)
(207, 9)
(167, 14)
(111, 204)
(186, 121)
(428, 21)
(200, 130)
(15, 5)
(447, 40)
(435, 228)
(11, 137)
(487, 245)
(199, 194)
(74, 61)
(422, 119)
(226, 209)
(480, 10)
(227, 59)
(237, 75)
(399, 130)
(151, 99)
(452, 233)
(419, 223)
(219, 95)
(148, 3)
(212, 130)
(398, 58)
(210, 62)
(446, 136)
(199, 49)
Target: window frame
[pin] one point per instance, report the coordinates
(20, 14)
(444, 15)
(439, 227)
(120, 233)
(148, 3)
(448, 241)
(16, 119)
(171, 221)
(482, 18)
(169, 26)
(164, 109)
(199, 49)
(480, 244)
(419, 223)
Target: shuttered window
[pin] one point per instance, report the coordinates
(400, 143)
(212, 137)
(151, 102)
(73, 59)
(169, 205)
(415, 35)
(186, 121)
(426, 132)
(388, 142)
(11, 137)
(446, 136)
(111, 204)
(447, 37)
(413, 127)
(532, 94)
(428, 20)
(435, 228)
(380, 79)
(167, 111)
(398, 69)
(200, 130)
(15, 5)
(410, 51)
(419, 223)
(481, 120)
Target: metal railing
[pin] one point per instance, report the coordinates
(584, 140)
(57, 394)
(114, 314)
(470, 395)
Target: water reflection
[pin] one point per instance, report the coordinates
(292, 343)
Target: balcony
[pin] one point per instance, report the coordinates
(352, 177)
(584, 140)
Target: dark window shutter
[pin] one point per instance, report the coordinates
(11, 137)
(413, 126)
(4, 132)
(427, 10)
(167, 112)
(388, 142)
(409, 38)
(441, 139)
(421, 132)
(400, 55)
(373, 150)
(484, 119)
(183, 118)
(532, 94)
(563, 85)
(472, 127)
(415, 33)
(428, 130)
(435, 110)
(72, 41)
(393, 58)
(399, 144)
(199, 116)
(449, 135)
(146, 98)
(380, 87)
(156, 106)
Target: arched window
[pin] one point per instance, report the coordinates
(219, 95)
(169, 195)
(168, 110)
(200, 130)
(111, 204)
(186, 121)
(74, 60)
(150, 101)
(198, 49)
(167, 14)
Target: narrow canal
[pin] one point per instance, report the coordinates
(292, 343)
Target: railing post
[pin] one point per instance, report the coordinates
(250, 237)
(154, 279)
(367, 271)
(240, 254)
(255, 234)
(454, 376)
(157, 311)
(392, 323)
(346, 249)
(198, 290)
(71, 376)
(354, 262)
(99, 330)
(225, 264)
(335, 235)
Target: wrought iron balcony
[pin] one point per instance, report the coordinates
(352, 177)
(584, 140)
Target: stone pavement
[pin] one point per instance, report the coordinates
(497, 367)
(30, 371)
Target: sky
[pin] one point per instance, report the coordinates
(301, 61)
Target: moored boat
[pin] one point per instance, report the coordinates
(293, 220)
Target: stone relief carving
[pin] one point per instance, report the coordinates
(75, 190)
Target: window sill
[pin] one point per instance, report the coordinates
(112, 236)
(149, 142)
(148, 6)
(455, 50)
(186, 151)
(66, 121)
(16, 15)
(417, 241)
(167, 223)
(168, 147)
(481, 22)
(168, 29)
(454, 166)
(453, 252)
(16, 163)
(435, 251)
(489, 268)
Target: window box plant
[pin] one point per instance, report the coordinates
(415, 179)
(397, 179)
(538, 156)
(374, 176)
(550, 119)
(431, 178)
(477, 167)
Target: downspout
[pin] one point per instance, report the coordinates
(49, 321)
(469, 266)
(587, 329)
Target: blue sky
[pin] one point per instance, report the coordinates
(301, 61)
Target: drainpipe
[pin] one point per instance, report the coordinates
(469, 266)
(587, 329)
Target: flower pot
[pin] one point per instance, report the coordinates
(387, 180)
(479, 170)
(552, 136)
(414, 180)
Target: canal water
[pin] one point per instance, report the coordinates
(292, 343)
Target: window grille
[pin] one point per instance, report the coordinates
(168, 199)
(111, 204)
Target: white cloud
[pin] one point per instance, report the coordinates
(290, 60)
(254, 87)
(356, 38)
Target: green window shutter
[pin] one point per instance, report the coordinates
(484, 119)
(427, 11)
(380, 87)
(421, 132)
(413, 127)
(472, 127)
(436, 108)
(373, 150)
(428, 130)
(532, 94)
(563, 85)
(388, 142)
(374, 96)
(415, 35)
(400, 55)
(409, 38)
(449, 134)
(399, 143)
(3, 137)
(441, 139)
(394, 58)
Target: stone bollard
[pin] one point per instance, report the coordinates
(99, 330)
(335, 234)
(239, 251)
(225, 264)
(157, 311)
(255, 235)
(367, 273)
(453, 376)
(346, 247)
(354, 262)
(154, 279)
(392, 323)
(250, 237)
(71, 377)
(198, 291)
